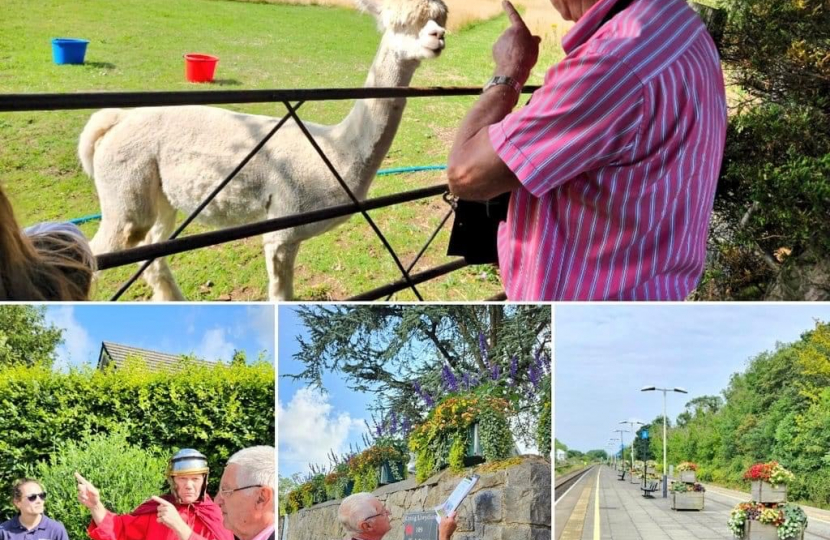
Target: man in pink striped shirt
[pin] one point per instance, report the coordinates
(613, 163)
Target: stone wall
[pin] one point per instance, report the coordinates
(513, 503)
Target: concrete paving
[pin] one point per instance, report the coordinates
(624, 514)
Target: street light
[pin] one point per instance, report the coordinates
(612, 445)
(622, 444)
(664, 390)
(633, 442)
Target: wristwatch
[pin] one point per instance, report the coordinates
(502, 79)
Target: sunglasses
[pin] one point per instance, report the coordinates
(33, 497)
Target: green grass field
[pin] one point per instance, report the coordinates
(138, 46)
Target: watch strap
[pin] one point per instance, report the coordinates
(503, 80)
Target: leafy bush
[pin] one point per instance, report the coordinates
(126, 476)
(774, 188)
(442, 439)
(544, 432)
(217, 411)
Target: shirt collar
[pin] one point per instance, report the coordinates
(16, 523)
(264, 533)
(587, 25)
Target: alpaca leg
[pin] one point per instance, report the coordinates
(279, 258)
(158, 274)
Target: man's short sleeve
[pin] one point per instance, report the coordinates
(587, 115)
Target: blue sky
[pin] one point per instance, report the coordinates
(311, 423)
(605, 353)
(210, 332)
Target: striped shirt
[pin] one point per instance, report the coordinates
(618, 154)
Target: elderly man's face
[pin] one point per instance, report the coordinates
(237, 506)
(378, 521)
(189, 487)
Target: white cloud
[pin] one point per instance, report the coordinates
(260, 320)
(309, 429)
(77, 348)
(214, 346)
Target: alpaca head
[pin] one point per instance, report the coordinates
(414, 28)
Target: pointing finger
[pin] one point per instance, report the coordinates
(513, 15)
(81, 479)
(161, 501)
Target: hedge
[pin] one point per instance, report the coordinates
(216, 411)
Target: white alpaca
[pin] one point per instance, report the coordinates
(149, 162)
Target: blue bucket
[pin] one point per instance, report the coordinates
(69, 50)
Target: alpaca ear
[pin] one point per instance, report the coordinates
(369, 6)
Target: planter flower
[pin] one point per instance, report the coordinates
(757, 521)
(686, 496)
(769, 482)
(448, 435)
(687, 471)
(338, 483)
(380, 464)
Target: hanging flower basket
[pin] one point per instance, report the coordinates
(391, 472)
(475, 455)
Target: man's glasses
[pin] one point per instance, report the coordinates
(384, 513)
(33, 497)
(227, 492)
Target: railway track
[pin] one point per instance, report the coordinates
(561, 485)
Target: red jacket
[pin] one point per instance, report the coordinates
(203, 517)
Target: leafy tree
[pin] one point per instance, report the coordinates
(597, 455)
(410, 355)
(25, 337)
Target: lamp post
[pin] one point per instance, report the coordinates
(612, 445)
(622, 444)
(665, 466)
(633, 442)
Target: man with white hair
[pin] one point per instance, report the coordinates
(247, 493)
(366, 518)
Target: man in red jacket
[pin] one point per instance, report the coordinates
(186, 513)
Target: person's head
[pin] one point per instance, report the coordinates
(28, 497)
(187, 475)
(52, 263)
(247, 491)
(573, 10)
(363, 515)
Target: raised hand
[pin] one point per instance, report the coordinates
(87, 493)
(517, 50)
(169, 516)
(447, 526)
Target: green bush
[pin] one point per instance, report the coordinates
(544, 432)
(126, 476)
(216, 411)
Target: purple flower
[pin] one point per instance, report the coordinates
(514, 366)
(450, 382)
(406, 425)
(482, 345)
(535, 376)
(429, 400)
(466, 381)
(495, 372)
(393, 423)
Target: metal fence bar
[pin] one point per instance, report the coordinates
(95, 100)
(195, 241)
(432, 273)
(426, 245)
(127, 284)
(355, 200)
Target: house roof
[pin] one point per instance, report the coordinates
(117, 354)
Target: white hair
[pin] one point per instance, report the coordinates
(354, 509)
(256, 466)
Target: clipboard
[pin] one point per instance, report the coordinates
(456, 497)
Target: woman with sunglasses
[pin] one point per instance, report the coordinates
(29, 497)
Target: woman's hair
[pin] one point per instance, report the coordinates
(54, 265)
(17, 487)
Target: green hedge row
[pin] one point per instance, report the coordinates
(217, 410)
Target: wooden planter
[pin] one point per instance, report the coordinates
(756, 530)
(764, 492)
(690, 500)
(688, 477)
(388, 470)
(475, 455)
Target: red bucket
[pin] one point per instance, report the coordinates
(200, 67)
